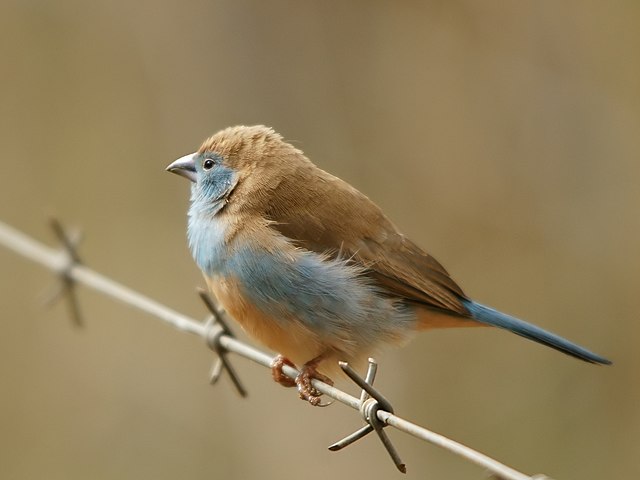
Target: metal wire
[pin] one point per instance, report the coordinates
(65, 264)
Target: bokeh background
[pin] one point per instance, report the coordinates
(504, 137)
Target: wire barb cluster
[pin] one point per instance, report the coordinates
(217, 326)
(374, 408)
(65, 287)
(371, 402)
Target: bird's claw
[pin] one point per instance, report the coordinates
(306, 390)
(308, 372)
(277, 373)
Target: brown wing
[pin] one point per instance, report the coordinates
(323, 214)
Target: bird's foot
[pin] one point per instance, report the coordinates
(306, 390)
(277, 373)
(308, 372)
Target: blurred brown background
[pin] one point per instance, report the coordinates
(501, 136)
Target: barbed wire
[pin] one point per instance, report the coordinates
(374, 408)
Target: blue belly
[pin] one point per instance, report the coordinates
(330, 297)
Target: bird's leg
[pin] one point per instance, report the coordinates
(278, 375)
(303, 381)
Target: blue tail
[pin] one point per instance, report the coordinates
(494, 318)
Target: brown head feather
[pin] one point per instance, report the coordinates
(241, 146)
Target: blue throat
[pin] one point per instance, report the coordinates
(206, 232)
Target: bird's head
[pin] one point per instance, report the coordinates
(247, 159)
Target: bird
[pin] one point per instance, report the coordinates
(311, 268)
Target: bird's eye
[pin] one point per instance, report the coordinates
(208, 164)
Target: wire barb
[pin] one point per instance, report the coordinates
(215, 327)
(371, 402)
(66, 286)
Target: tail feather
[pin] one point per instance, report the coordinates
(492, 317)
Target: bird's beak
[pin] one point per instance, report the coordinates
(184, 166)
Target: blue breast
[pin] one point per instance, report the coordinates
(206, 235)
